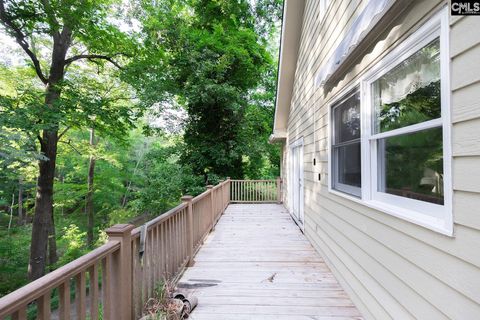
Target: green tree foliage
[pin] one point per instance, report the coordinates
(55, 35)
(164, 180)
(212, 58)
(99, 65)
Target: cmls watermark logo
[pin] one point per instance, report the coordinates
(465, 7)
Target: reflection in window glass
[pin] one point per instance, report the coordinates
(410, 92)
(411, 165)
(347, 119)
(349, 165)
(346, 145)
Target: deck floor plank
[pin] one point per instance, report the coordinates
(258, 265)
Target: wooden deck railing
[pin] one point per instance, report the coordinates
(255, 191)
(107, 263)
(115, 280)
(164, 246)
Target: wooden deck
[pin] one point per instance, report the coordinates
(258, 265)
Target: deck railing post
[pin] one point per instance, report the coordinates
(222, 200)
(229, 190)
(188, 200)
(121, 272)
(279, 190)
(212, 207)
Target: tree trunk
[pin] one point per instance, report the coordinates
(43, 222)
(89, 198)
(21, 219)
(62, 179)
(52, 244)
(11, 212)
(27, 209)
(42, 219)
(129, 183)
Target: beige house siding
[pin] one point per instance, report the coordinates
(392, 268)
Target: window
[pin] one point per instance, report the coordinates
(346, 145)
(395, 154)
(407, 127)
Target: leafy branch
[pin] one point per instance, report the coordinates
(93, 57)
(21, 39)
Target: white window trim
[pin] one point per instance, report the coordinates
(351, 190)
(343, 95)
(432, 216)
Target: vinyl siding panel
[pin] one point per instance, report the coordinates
(392, 269)
(464, 71)
(465, 141)
(466, 173)
(466, 102)
(466, 211)
(465, 37)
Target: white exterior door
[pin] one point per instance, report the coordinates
(296, 182)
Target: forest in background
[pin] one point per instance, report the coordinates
(110, 111)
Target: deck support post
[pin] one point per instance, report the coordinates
(121, 272)
(188, 200)
(279, 190)
(212, 207)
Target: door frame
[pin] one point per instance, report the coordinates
(293, 147)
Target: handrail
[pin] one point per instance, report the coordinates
(201, 196)
(135, 260)
(52, 280)
(159, 219)
(165, 215)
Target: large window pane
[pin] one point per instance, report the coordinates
(411, 165)
(348, 167)
(410, 92)
(347, 119)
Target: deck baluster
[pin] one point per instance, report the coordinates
(80, 295)
(43, 306)
(21, 314)
(64, 300)
(93, 273)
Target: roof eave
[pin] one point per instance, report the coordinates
(278, 136)
(290, 42)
